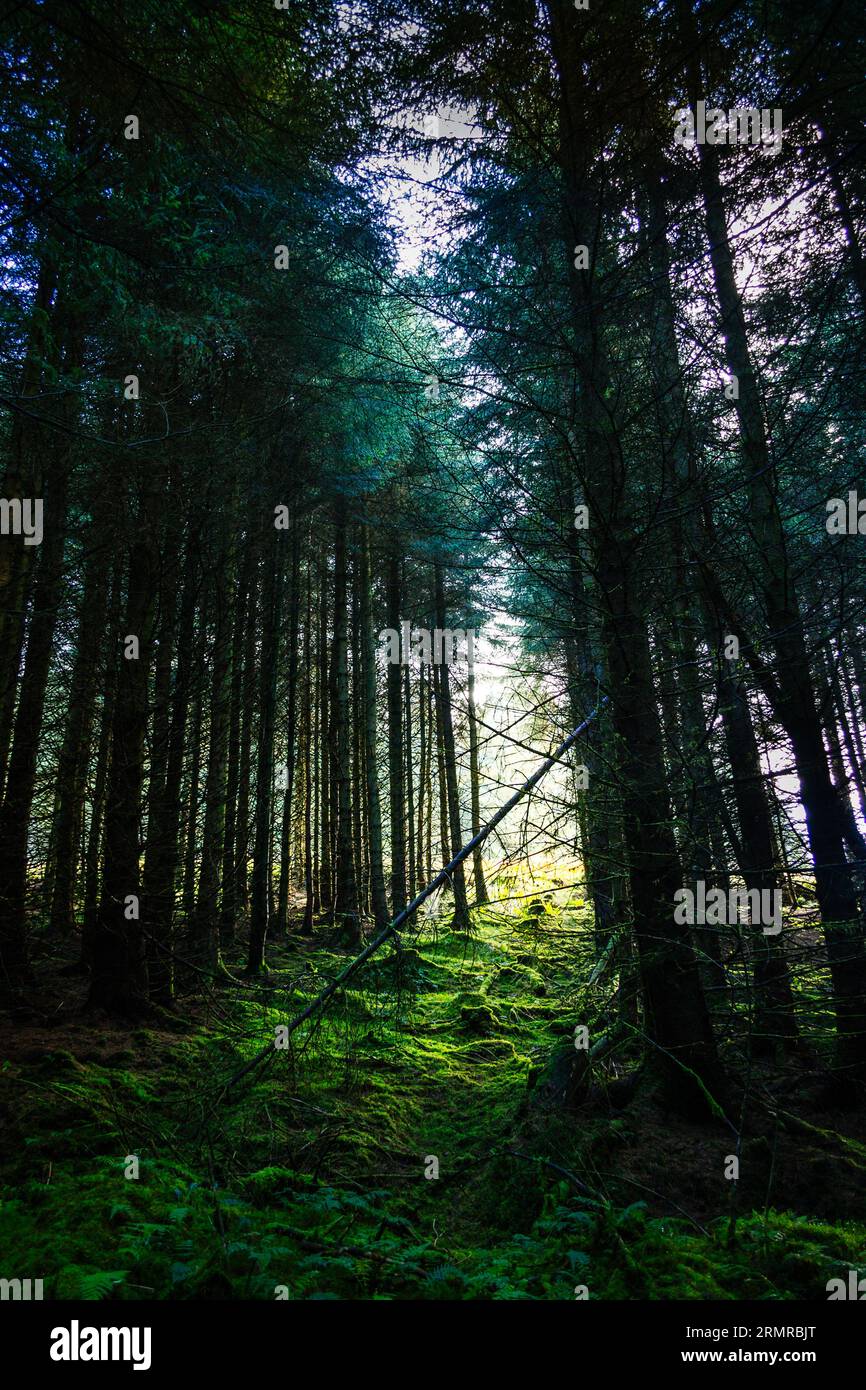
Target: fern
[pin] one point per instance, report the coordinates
(90, 1285)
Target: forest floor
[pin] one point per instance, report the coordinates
(314, 1178)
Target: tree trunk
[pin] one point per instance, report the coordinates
(190, 858)
(163, 851)
(346, 906)
(846, 947)
(92, 858)
(410, 781)
(21, 780)
(204, 937)
(75, 750)
(325, 859)
(272, 607)
(396, 763)
(677, 1022)
(378, 899)
(23, 478)
(461, 920)
(309, 754)
(475, 788)
(291, 723)
(360, 827)
(119, 970)
(243, 619)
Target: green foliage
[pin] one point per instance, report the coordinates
(313, 1180)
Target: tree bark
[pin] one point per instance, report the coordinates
(346, 906)
(119, 971)
(291, 726)
(461, 920)
(682, 1047)
(272, 605)
(481, 896)
(396, 763)
(378, 899)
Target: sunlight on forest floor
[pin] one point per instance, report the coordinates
(310, 1182)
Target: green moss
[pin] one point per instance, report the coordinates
(315, 1177)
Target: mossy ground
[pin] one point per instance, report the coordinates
(309, 1178)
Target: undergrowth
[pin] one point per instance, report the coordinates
(313, 1179)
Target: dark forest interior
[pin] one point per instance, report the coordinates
(389, 390)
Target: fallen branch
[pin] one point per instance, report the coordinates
(441, 878)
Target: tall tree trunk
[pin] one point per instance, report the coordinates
(163, 849)
(475, 786)
(846, 946)
(325, 859)
(461, 920)
(422, 767)
(261, 877)
(775, 1019)
(240, 887)
(204, 937)
(378, 899)
(75, 750)
(774, 1009)
(243, 619)
(677, 1021)
(410, 781)
(111, 659)
(291, 724)
(359, 781)
(309, 755)
(21, 780)
(190, 857)
(396, 764)
(346, 907)
(428, 791)
(23, 478)
(444, 831)
(119, 970)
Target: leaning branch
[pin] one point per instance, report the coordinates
(443, 877)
